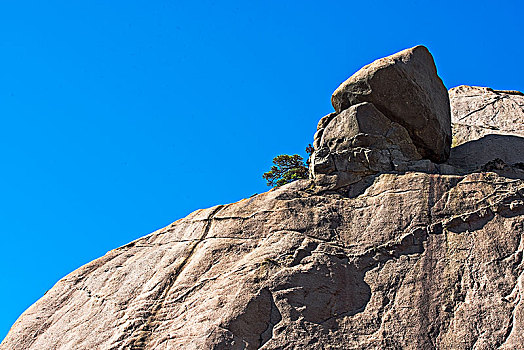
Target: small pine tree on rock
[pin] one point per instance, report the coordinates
(286, 169)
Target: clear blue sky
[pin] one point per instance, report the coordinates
(119, 117)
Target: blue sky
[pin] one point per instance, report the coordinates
(119, 117)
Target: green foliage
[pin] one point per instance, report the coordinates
(286, 169)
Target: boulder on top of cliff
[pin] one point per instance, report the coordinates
(405, 87)
(358, 142)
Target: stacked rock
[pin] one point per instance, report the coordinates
(393, 115)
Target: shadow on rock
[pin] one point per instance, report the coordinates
(331, 286)
(328, 287)
(501, 154)
(253, 326)
(475, 154)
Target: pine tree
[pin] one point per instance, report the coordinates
(286, 169)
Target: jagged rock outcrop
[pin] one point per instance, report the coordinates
(403, 260)
(392, 115)
(358, 142)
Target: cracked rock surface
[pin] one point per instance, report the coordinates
(393, 115)
(480, 111)
(419, 261)
(380, 249)
(487, 124)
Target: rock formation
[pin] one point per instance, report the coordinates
(381, 249)
(487, 125)
(406, 88)
(391, 115)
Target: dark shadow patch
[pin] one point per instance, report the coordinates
(360, 187)
(511, 208)
(471, 222)
(253, 327)
(303, 252)
(333, 285)
(274, 319)
(479, 155)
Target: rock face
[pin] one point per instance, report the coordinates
(480, 111)
(487, 124)
(412, 264)
(405, 87)
(400, 259)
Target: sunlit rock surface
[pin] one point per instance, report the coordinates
(487, 124)
(428, 257)
(405, 87)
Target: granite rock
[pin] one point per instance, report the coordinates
(411, 255)
(358, 142)
(405, 87)
(480, 111)
(419, 261)
(487, 125)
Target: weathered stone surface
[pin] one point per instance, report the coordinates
(413, 263)
(410, 255)
(358, 142)
(487, 124)
(405, 87)
(480, 111)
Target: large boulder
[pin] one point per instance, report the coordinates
(405, 87)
